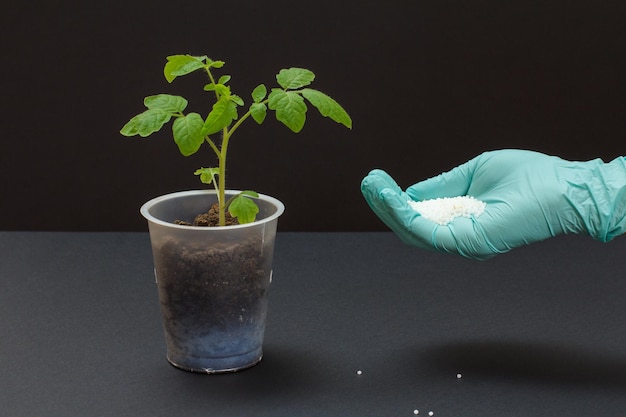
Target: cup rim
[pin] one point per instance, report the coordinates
(145, 210)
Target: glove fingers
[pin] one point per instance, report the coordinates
(372, 187)
(378, 180)
(390, 204)
(409, 225)
(466, 237)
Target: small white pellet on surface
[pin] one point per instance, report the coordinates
(443, 210)
(430, 413)
(459, 376)
(416, 411)
(359, 372)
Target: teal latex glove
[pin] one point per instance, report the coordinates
(530, 197)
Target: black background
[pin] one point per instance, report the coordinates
(429, 84)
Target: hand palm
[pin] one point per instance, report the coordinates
(530, 197)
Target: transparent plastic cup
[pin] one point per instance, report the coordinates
(213, 282)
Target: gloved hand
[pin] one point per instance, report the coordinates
(530, 197)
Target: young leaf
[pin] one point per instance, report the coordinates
(224, 79)
(327, 106)
(237, 100)
(166, 102)
(207, 175)
(178, 65)
(187, 132)
(215, 64)
(222, 90)
(258, 112)
(146, 123)
(259, 93)
(293, 78)
(290, 108)
(243, 208)
(223, 113)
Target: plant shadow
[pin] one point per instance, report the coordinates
(535, 363)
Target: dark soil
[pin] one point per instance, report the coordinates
(209, 219)
(204, 288)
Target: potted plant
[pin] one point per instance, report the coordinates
(213, 249)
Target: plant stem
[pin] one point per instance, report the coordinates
(222, 178)
(227, 133)
(221, 155)
(213, 146)
(242, 119)
(239, 122)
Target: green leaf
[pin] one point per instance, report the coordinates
(224, 79)
(223, 113)
(290, 108)
(222, 90)
(237, 100)
(243, 208)
(259, 93)
(146, 123)
(187, 132)
(258, 112)
(327, 106)
(207, 175)
(293, 78)
(178, 65)
(166, 102)
(215, 64)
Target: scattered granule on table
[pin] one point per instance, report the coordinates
(443, 210)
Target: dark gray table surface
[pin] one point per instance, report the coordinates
(540, 331)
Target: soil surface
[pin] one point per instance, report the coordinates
(210, 219)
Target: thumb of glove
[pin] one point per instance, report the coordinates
(448, 184)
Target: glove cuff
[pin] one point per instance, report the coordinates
(618, 225)
(610, 200)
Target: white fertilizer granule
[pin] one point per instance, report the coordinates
(443, 210)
